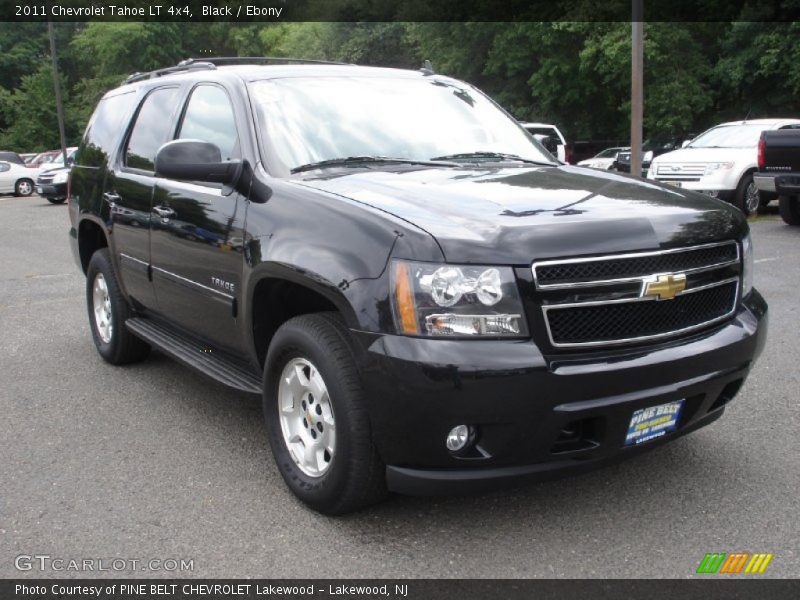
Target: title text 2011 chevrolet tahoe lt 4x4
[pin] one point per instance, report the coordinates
(425, 299)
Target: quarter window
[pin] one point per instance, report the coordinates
(101, 133)
(209, 118)
(4, 167)
(151, 129)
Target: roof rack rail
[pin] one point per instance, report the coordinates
(223, 60)
(190, 66)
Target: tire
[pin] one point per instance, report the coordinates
(789, 207)
(23, 187)
(352, 476)
(115, 344)
(56, 200)
(747, 197)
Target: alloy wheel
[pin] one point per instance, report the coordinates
(101, 306)
(752, 198)
(306, 417)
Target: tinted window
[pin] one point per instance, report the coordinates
(151, 129)
(209, 117)
(104, 127)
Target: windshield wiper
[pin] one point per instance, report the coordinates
(494, 155)
(360, 160)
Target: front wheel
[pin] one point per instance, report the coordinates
(23, 187)
(56, 200)
(316, 416)
(747, 197)
(789, 207)
(108, 311)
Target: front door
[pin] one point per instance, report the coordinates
(197, 231)
(129, 193)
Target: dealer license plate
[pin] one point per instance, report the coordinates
(38, 189)
(673, 183)
(653, 422)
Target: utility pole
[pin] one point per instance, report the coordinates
(637, 85)
(57, 92)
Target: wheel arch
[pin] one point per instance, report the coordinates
(277, 293)
(91, 237)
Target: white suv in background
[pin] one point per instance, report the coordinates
(556, 144)
(720, 162)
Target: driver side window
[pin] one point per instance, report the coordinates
(209, 118)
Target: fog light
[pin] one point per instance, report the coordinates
(459, 437)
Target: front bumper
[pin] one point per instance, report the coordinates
(710, 188)
(539, 416)
(50, 190)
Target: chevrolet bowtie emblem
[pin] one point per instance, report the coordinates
(664, 287)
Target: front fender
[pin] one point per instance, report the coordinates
(336, 247)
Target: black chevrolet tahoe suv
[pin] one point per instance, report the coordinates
(425, 299)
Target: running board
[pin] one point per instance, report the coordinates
(193, 354)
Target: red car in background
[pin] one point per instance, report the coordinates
(42, 158)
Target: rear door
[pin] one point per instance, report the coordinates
(129, 191)
(197, 230)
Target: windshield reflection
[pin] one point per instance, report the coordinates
(308, 120)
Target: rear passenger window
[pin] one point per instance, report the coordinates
(4, 167)
(209, 118)
(151, 129)
(104, 128)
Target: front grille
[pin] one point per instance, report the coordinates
(682, 172)
(617, 322)
(565, 273)
(637, 297)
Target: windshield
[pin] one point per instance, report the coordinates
(729, 136)
(609, 153)
(323, 118)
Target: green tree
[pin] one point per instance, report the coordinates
(30, 112)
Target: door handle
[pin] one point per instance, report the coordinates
(164, 212)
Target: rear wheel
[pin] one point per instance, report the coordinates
(108, 311)
(747, 197)
(315, 411)
(789, 207)
(23, 187)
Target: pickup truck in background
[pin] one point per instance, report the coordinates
(779, 170)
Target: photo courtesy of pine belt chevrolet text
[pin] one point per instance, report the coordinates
(426, 299)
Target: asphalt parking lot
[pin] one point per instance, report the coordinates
(154, 462)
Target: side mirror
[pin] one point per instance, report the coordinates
(195, 160)
(685, 143)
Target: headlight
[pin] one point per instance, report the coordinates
(747, 264)
(60, 177)
(711, 167)
(456, 300)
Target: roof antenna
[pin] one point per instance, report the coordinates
(747, 116)
(427, 68)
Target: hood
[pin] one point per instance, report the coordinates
(516, 215)
(706, 155)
